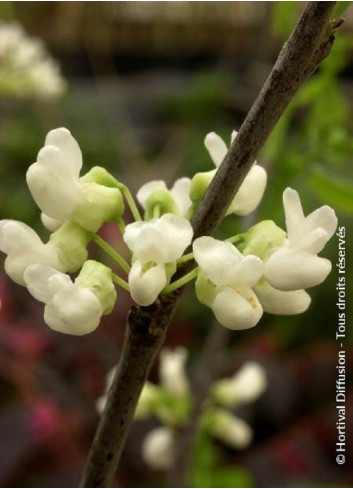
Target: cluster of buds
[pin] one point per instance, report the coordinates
(26, 69)
(268, 269)
(171, 403)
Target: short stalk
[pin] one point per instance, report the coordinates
(185, 258)
(121, 282)
(182, 281)
(112, 253)
(234, 239)
(121, 225)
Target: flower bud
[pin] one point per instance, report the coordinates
(158, 448)
(230, 429)
(172, 371)
(98, 278)
(245, 386)
(71, 241)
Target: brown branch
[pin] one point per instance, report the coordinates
(146, 328)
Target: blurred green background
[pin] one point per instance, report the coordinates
(146, 82)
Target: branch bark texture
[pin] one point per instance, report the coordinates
(308, 45)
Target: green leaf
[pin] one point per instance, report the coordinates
(335, 192)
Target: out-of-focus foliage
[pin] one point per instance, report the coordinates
(210, 470)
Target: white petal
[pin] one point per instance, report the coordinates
(17, 237)
(73, 310)
(43, 281)
(247, 272)
(180, 192)
(245, 386)
(276, 301)
(151, 246)
(177, 235)
(231, 430)
(250, 192)
(49, 223)
(289, 269)
(172, 371)
(216, 147)
(324, 218)
(145, 286)
(132, 233)
(54, 192)
(294, 213)
(158, 447)
(146, 190)
(217, 258)
(62, 139)
(312, 242)
(237, 310)
(250, 382)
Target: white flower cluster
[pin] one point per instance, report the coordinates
(26, 68)
(267, 271)
(171, 402)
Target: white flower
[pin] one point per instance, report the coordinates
(280, 302)
(172, 371)
(69, 307)
(245, 386)
(296, 265)
(57, 190)
(176, 200)
(228, 286)
(253, 187)
(23, 248)
(158, 447)
(231, 430)
(155, 244)
(26, 68)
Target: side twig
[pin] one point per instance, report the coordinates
(308, 45)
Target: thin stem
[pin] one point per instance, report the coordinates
(185, 258)
(234, 239)
(121, 282)
(112, 253)
(121, 225)
(181, 281)
(131, 202)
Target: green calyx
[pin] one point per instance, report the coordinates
(163, 201)
(71, 241)
(100, 204)
(206, 291)
(199, 184)
(262, 238)
(101, 176)
(98, 277)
